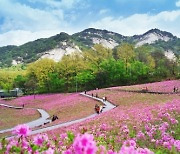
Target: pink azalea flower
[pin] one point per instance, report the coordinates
(111, 152)
(40, 139)
(21, 130)
(127, 150)
(85, 144)
(49, 151)
(68, 152)
(144, 151)
(129, 143)
(140, 135)
(177, 144)
(63, 136)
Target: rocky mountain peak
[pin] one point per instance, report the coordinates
(153, 35)
(160, 33)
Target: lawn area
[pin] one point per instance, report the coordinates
(11, 117)
(131, 98)
(66, 106)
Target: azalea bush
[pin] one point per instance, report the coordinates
(67, 144)
(139, 130)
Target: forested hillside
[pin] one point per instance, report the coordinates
(64, 44)
(95, 67)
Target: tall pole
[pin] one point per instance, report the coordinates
(76, 83)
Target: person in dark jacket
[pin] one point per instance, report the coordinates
(54, 118)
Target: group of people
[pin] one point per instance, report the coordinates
(145, 89)
(98, 108)
(175, 89)
(96, 95)
(104, 99)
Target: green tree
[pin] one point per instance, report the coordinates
(69, 67)
(143, 54)
(126, 53)
(57, 84)
(20, 81)
(39, 71)
(96, 55)
(115, 71)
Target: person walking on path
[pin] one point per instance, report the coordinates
(174, 89)
(96, 95)
(97, 108)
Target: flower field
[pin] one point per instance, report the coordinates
(141, 124)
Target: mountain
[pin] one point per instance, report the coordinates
(62, 44)
(151, 36)
(92, 36)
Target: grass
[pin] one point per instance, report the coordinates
(11, 117)
(67, 107)
(129, 98)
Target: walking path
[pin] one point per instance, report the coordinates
(108, 106)
(143, 91)
(43, 119)
(9, 106)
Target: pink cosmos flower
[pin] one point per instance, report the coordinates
(21, 130)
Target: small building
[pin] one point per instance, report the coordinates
(12, 93)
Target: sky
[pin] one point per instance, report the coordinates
(22, 21)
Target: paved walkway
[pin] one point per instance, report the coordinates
(43, 119)
(108, 106)
(45, 115)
